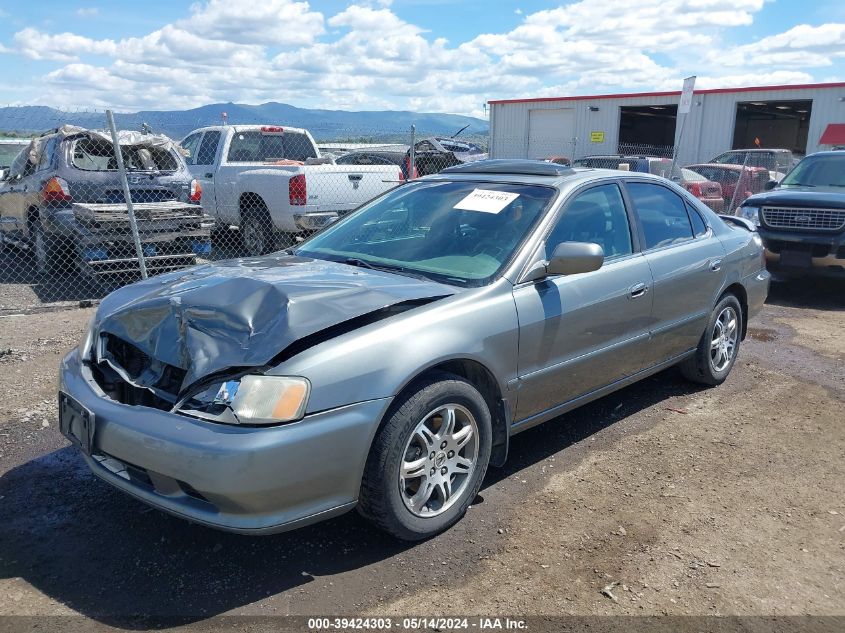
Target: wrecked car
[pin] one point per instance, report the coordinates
(63, 200)
(432, 155)
(385, 362)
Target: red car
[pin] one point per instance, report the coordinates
(708, 191)
(734, 179)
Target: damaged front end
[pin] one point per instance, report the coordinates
(199, 343)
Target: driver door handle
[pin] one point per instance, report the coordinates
(637, 290)
(715, 265)
(209, 175)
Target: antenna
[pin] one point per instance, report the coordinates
(455, 135)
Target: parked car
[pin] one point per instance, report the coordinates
(777, 161)
(271, 181)
(432, 155)
(708, 191)
(557, 160)
(9, 149)
(63, 199)
(378, 362)
(379, 157)
(802, 219)
(737, 182)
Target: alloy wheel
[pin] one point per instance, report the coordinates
(439, 460)
(724, 338)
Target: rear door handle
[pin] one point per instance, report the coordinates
(715, 265)
(209, 175)
(637, 290)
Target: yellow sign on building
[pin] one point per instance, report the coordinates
(596, 137)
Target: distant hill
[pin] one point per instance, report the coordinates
(325, 125)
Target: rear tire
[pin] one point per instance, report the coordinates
(257, 232)
(53, 255)
(719, 345)
(426, 464)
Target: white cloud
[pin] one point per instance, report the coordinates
(87, 12)
(368, 57)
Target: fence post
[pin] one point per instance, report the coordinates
(731, 208)
(130, 209)
(412, 161)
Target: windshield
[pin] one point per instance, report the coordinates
(460, 233)
(826, 170)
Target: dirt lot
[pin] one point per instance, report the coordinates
(674, 499)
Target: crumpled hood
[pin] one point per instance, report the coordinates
(242, 313)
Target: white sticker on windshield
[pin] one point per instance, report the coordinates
(486, 201)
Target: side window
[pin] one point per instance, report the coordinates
(191, 146)
(208, 148)
(596, 215)
(698, 225)
(662, 213)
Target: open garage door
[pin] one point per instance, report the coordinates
(550, 132)
(772, 125)
(647, 130)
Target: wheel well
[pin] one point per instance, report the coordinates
(738, 290)
(251, 203)
(33, 215)
(482, 379)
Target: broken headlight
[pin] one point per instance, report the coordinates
(250, 400)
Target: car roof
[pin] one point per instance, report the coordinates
(247, 127)
(730, 166)
(755, 150)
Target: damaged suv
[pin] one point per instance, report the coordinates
(385, 362)
(63, 200)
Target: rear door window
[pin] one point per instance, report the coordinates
(208, 148)
(662, 213)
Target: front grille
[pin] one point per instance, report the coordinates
(804, 219)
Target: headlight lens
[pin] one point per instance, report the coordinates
(252, 400)
(750, 213)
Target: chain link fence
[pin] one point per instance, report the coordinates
(91, 201)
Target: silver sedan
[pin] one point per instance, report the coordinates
(385, 362)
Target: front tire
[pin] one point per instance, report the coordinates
(428, 459)
(719, 345)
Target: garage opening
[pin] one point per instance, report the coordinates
(772, 125)
(647, 130)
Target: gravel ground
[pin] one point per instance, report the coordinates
(661, 498)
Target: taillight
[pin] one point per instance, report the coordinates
(297, 192)
(695, 189)
(56, 190)
(272, 129)
(196, 191)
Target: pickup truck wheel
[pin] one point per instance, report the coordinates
(719, 345)
(428, 459)
(257, 233)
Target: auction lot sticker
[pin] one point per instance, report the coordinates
(486, 201)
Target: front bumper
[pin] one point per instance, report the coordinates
(241, 479)
(804, 253)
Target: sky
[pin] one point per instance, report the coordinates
(422, 55)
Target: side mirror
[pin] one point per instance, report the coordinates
(770, 185)
(571, 258)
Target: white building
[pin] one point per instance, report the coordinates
(791, 117)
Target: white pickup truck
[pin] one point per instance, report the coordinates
(271, 182)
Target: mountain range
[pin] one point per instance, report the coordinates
(324, 125)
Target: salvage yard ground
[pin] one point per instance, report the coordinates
(662, 498)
